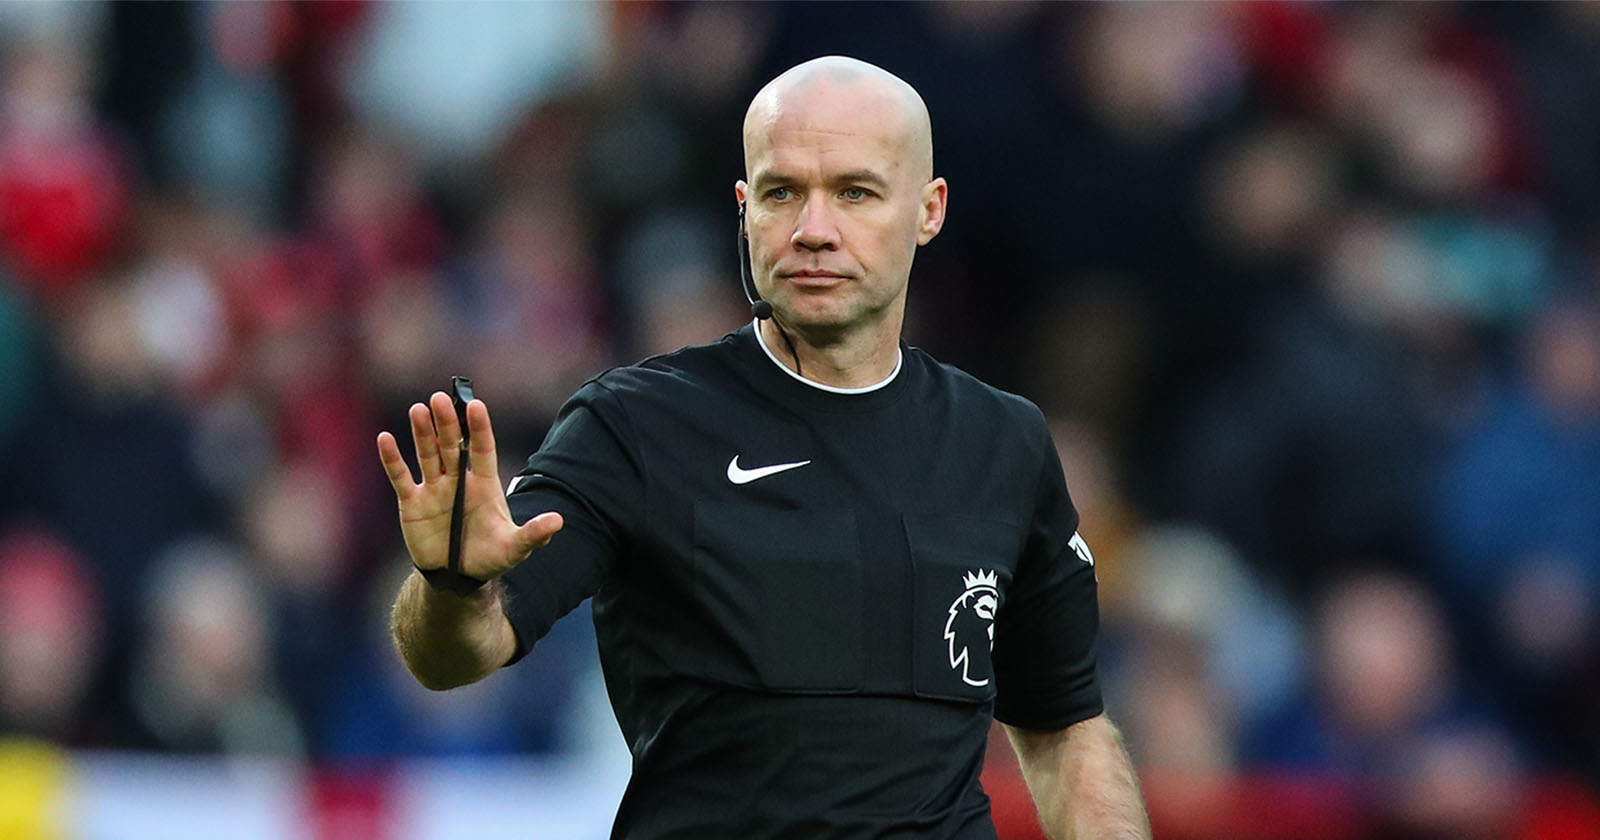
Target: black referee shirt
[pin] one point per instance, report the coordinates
(810, 602)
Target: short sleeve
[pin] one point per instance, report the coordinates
(587, 471)
(1045, 633)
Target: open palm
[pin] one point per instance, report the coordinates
(491, 542)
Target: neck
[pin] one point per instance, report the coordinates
(846, 359)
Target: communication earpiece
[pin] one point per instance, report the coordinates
(758, 307)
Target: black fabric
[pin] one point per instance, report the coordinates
(807, 654)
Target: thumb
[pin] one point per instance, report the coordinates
(536, 532)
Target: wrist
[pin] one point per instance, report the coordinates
(450, 580)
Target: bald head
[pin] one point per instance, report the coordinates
(838, 94)
(840, 194)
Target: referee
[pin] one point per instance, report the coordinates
(820, 560)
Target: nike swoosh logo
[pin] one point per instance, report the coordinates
(739, 476)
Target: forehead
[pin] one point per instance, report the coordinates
(829, 126)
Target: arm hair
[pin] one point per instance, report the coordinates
(1082, 781)
(448, 640)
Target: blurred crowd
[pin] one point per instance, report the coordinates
(1311, 293)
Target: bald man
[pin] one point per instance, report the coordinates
(821, 561)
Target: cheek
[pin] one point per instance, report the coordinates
(890, 258)
(769, 238)
(882, 248)
(900, 236)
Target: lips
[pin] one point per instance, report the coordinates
(814, 277)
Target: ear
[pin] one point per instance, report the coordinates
(740, 191)
(934, 198)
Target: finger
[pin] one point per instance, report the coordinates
(426, 441)
(536, 532)
(448, 429)
(484, 460)
(395, 466)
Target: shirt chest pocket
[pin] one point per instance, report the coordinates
(782, 592)
(962, 568)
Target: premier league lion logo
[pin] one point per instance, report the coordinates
(971, 624)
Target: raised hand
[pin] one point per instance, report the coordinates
(491, 542)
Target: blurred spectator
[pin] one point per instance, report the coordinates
(1456, 785)
(299, 545)
(233, 444)
(368, 220)
(1384, 691)
(532, 299)
(1210, 649)
(50, 643)
(1270, 192)
(1384, 666)
(671, 273)
(102, 452)
(1199, 658)
(406, 337)
(62, 187)
(1522, 478)
(1150, 70)
(203, 678)
(294, 527)
(224, 134)
(1516, 529)
(455, 78)
(177, 303)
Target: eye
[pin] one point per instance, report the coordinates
(780, 193)
(855, 194)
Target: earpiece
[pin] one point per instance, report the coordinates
(758, 307)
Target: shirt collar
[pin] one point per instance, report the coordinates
(899, 358)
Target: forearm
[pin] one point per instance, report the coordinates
(448, 640)
(1083, 782)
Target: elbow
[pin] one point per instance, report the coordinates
(430, 672)
(436, 675)
(447, 652)
(435, 682)
(442, 679)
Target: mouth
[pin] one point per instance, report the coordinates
(814, 278)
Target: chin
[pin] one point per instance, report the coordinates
(817, 315)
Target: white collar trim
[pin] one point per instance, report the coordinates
(899, 358)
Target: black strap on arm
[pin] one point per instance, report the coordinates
(451, 578)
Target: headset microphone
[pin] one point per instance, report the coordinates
(760, 308)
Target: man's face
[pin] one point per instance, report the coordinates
(836, 205)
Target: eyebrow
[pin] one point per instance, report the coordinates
(862, 176)
(767, 180)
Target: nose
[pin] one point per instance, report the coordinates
(815, 229)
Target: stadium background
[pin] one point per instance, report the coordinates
(1308, 290)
